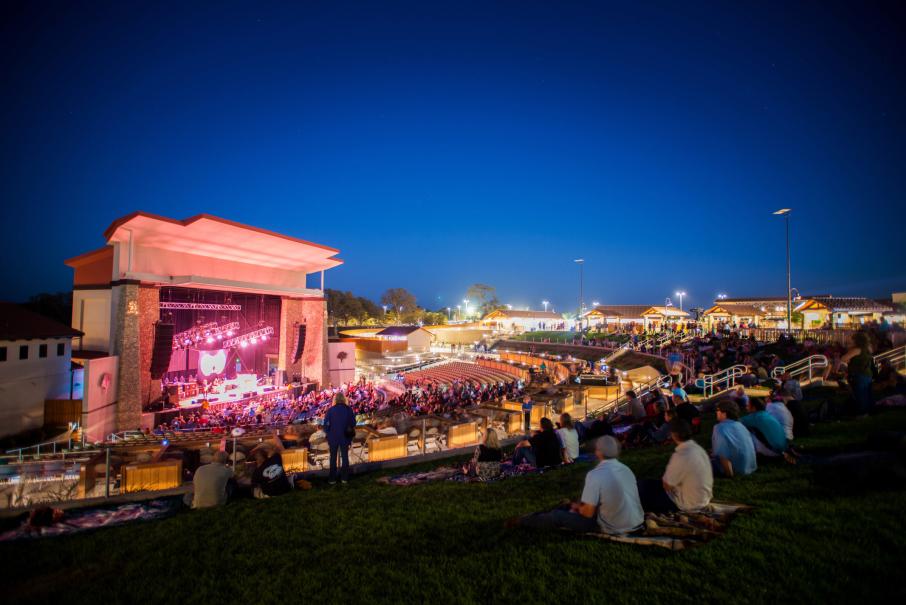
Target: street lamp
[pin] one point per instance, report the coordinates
(545, 303)
(681, 294)
(580, 262)
(721, 296)
(459, 311)
(449, 314)
(595, 303)
(385, 309)
(785, 213)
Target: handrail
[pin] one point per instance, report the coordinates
(803, 366)
(895, 357)
(67, 436)
(727, 376)
(622, 399)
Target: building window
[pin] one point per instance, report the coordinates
(61, 349)
(2, 353)
(23, 351)
(42, 351)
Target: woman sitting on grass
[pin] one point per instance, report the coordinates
(485, 463)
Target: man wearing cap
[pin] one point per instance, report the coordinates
(610, 499)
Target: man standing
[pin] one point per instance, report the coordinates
(339, 424)
(609, 503)
(527, 412)
(687, 482)
(733, 452)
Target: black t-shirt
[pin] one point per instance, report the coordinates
(271, 477)
(488, 454)
(546, 446)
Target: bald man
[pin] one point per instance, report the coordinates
(609, 503)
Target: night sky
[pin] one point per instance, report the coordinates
(439, 144)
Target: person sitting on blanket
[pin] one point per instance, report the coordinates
(777, 408)
(269, 478)
(609, 503)
(569, 439)
(732, 450)
(211, 484)
(687, 482)
(485, 463)
(541, 449)
(767, 434)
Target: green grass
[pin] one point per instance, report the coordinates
(445, 543)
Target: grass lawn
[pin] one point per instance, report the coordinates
(445, 543)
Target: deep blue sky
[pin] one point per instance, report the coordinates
(438, 144)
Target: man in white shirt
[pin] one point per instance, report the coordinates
(688, 480)
(777, 408)
(609, 503)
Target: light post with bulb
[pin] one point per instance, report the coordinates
(681, 295)
(785, 213)
(545, 303)
(580, 262)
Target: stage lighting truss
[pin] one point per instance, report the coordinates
(249, 338)
(206, 334)
(185, 306)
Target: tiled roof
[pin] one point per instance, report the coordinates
(844, 304)
(628, 311)
(18, 323)
(514, 314)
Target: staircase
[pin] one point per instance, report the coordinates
(715, 384)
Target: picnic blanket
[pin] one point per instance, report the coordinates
(72, 521)
(677, 531)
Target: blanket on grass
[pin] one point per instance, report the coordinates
(72, 521)
(456, 473)
(678, 531)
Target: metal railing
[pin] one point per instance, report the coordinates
(614, 405)
(895, 357)
(50, 447)
(807, 366)
(724, 380)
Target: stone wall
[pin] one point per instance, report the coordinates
(134, 309)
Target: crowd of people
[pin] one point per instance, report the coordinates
(364, 398)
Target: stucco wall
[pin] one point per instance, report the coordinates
(26, 383)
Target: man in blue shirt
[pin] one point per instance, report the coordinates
(339, 424)
(767, 434)
(733, 452)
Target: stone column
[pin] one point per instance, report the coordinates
(312, 312)
(134, 309)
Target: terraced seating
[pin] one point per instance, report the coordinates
(451, 372)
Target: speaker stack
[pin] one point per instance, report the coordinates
(300, 344)
(163, 349)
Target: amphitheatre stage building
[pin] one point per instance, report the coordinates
(197, 312)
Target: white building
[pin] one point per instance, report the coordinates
(35, 365)
(512, 320)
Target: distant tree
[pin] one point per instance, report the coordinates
(372, 311)
(434, 318)
(483, 297)
(55, 305)
(342, 307)
(399, 297)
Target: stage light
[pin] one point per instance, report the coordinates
(209, 340)
(229, 332)
(253, 340)
(220, 337)
(244, 344)
(263, 337)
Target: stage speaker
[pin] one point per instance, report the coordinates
(300, 343)
(163, 349)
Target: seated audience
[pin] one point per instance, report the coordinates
(733, 452)
(687, 481)
(609, 503)
(777, 408)
(485, 463)
(211, 484)
(569, 439)
(269, 478)
(767, 434)
(541, 449)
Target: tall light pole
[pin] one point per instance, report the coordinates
(449, 314)
(580, 262)
(721, 296)
(785, 213)
(681, 294)
(459, 311)
(545, 303)
(465, 301)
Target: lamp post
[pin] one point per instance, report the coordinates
(459, 311)
(681, 294)
(449, 314)
(785, 213)
(721, 296)
(545, 303)
(580, 262)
